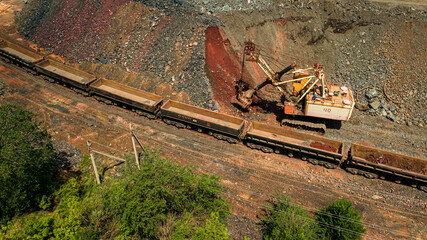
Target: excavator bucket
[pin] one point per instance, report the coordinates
(243, 100)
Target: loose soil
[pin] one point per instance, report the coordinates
(191, 51)
(390, 211)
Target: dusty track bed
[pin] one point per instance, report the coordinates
(251, 176)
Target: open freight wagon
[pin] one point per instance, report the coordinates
(68, 76)
(19, 55)
(376, 163)
(219, 125)
(311, 148)
(139, 101)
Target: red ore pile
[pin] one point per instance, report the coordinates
(82, 25)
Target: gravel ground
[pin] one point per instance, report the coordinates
(365, 42)
(165, 38)
(66, 157)
(4, 89)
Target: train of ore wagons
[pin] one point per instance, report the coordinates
(367, 161)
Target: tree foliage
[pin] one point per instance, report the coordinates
(283, 219)
(213, 229)
(340, 221)
(141, 199)
(26, 154)
(157, 201)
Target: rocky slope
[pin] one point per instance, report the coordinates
(362, 44)
(191, 50)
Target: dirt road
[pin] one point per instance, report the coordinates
(390, 211)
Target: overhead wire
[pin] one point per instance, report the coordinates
(113, 148)
(369, 225)
(262, 163)
(152, 138)
(335, 216)
(331, 226)
(292, 185)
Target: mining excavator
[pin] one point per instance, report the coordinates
(308, 100)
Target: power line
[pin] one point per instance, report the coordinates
(320, 212)
(303, 217)
(250, 168)
(161, 142)
(156, 140)
(370, 225)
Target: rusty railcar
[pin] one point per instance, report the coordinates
(219, 125)
(376, 163)
(308, 147)
(19, 55)
(73, 78)
(139, 101)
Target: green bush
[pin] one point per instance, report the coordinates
(26, 154)
(214, 229)
(283, 219)
(150, 203)
(38, 227)
(186, 228)
(140, 200)
(340, 221)
(68, 215)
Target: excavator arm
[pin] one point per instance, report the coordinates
(244, 99)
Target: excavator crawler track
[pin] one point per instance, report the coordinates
(311, 126)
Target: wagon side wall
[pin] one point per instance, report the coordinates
(358, 159)
(42, 70)
(24, 57)
(198, 118)
(95, 89)
(331, 157)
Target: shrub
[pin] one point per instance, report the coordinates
(283, 219)
(214, 229)
(26, 154)
(140, 200)
(139, 204)
(340, 221)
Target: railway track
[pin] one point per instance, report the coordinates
(251, 175)
(369, 162)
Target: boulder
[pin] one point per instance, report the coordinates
(361, 107)
(375, 104)
(372, 93)
(391, 117)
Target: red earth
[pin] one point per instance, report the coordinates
(222, 68)
(82, 24)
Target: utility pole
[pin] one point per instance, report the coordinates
(93, 163)
(134, 146)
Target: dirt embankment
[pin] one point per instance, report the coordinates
(360, 43)
(166, 48)
(161, 40)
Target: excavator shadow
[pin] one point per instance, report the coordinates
(270, 107)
